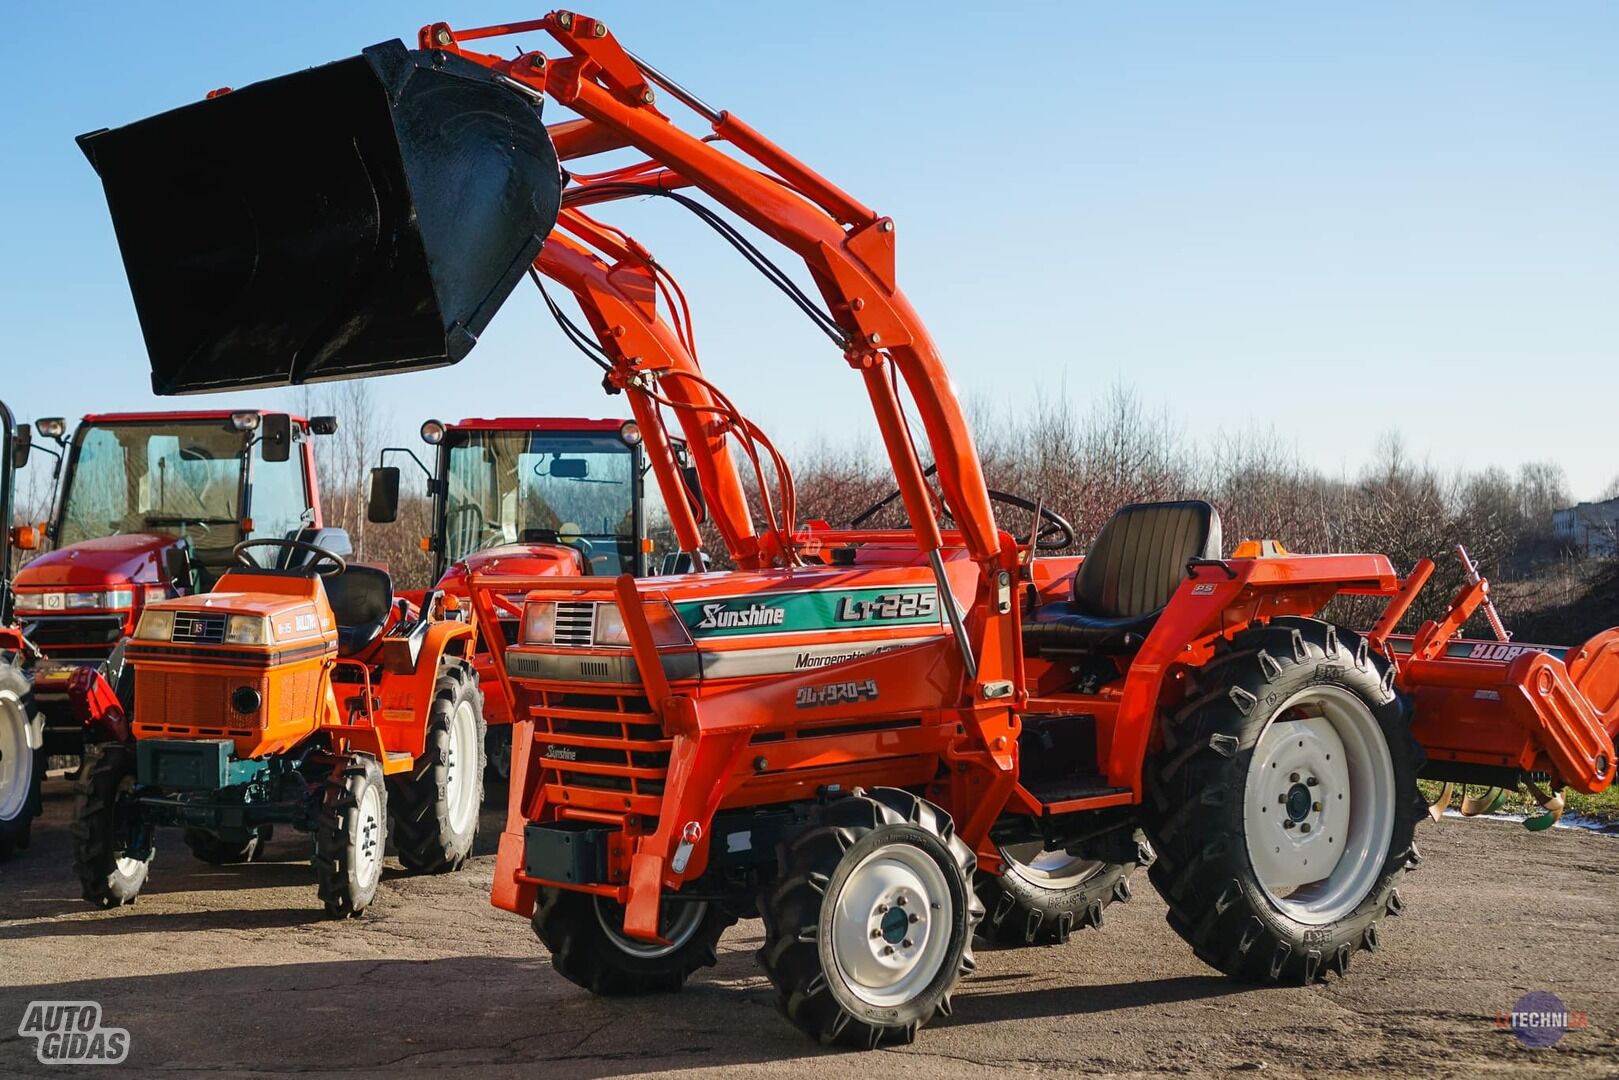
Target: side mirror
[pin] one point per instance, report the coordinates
(53, 428)
(383, 506)
(21, 444)
(177, 567)
(276, 431)
(323, 425)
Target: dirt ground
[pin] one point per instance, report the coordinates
(235, 971)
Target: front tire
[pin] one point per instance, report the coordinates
(22, 768)
(112, 850)
(1284, 803)
(870, 926)
(588, 946)
(351, 836)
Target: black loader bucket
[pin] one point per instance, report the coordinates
(361, 218)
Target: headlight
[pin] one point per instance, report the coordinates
(97, 600)
(432, 432)
(155, 625)
(539, 623)
(610, 626)
(247, 630)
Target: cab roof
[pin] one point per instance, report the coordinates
(540, 423)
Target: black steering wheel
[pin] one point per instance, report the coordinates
(335, 563)
(1054, 532)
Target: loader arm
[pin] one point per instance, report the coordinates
(847, 247)
(616, 288)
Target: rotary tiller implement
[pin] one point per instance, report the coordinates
(888, 742)
(308, 698)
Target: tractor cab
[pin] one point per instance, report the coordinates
(151, 506)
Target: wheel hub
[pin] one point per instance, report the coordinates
(1319, 804)
(886, 933)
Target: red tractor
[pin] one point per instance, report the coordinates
(149, 507)
(884, 742)
(530, 497)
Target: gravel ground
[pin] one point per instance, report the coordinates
(235, 971)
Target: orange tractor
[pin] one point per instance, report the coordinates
(884, 742)
(307, 697)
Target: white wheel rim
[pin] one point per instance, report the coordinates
(1318, 806)
(677, 924)
(1055, 870)
(460, 768)
(16, 758)
(890, 925)
(368, 839)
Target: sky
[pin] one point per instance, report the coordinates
(1323, 221)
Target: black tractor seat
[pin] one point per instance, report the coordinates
(361, 597)
(1134, 567)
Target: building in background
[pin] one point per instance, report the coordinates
(1590, 529)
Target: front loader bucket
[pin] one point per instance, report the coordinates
(361, 218)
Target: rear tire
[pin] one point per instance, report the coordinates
(497, 772)
(1298, 736)
(588, 946)
(1042, 897)
(870, 925)
(351, 836)
(112, 851)
(216, 851)
(435, 805)
(22, 768)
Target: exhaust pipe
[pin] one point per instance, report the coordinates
(361, 218)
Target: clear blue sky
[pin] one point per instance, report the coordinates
(1333, 220)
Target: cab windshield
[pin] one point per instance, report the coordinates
(172, 478)
(540, 487)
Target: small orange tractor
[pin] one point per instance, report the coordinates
(22, 745)
(884, 742)
(149, 506)
(302, 695)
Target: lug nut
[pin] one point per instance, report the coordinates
(1316, 807)
(1305, 827)
(916, 918)
(888, 950)
(1312, 781)
(876, 934)
(900, 900)
(1292, 778)
(906, 943)
(882, 909)
(1287, 824)
(1282, 799)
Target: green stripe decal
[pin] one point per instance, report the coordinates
(805, 612)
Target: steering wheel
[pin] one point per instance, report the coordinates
(335, 563)
(573, 538)
(1054, 532)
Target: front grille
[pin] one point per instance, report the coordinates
(600, 751)
(576, 623)
(194, 629)
(73, 637)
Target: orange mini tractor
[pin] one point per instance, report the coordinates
(306, 697)
(149, 506)
(884, 742)
(22, 729)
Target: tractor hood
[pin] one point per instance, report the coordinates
(513, 560)
(103, 563)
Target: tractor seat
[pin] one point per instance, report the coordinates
(1133, 568)
(361, 597)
